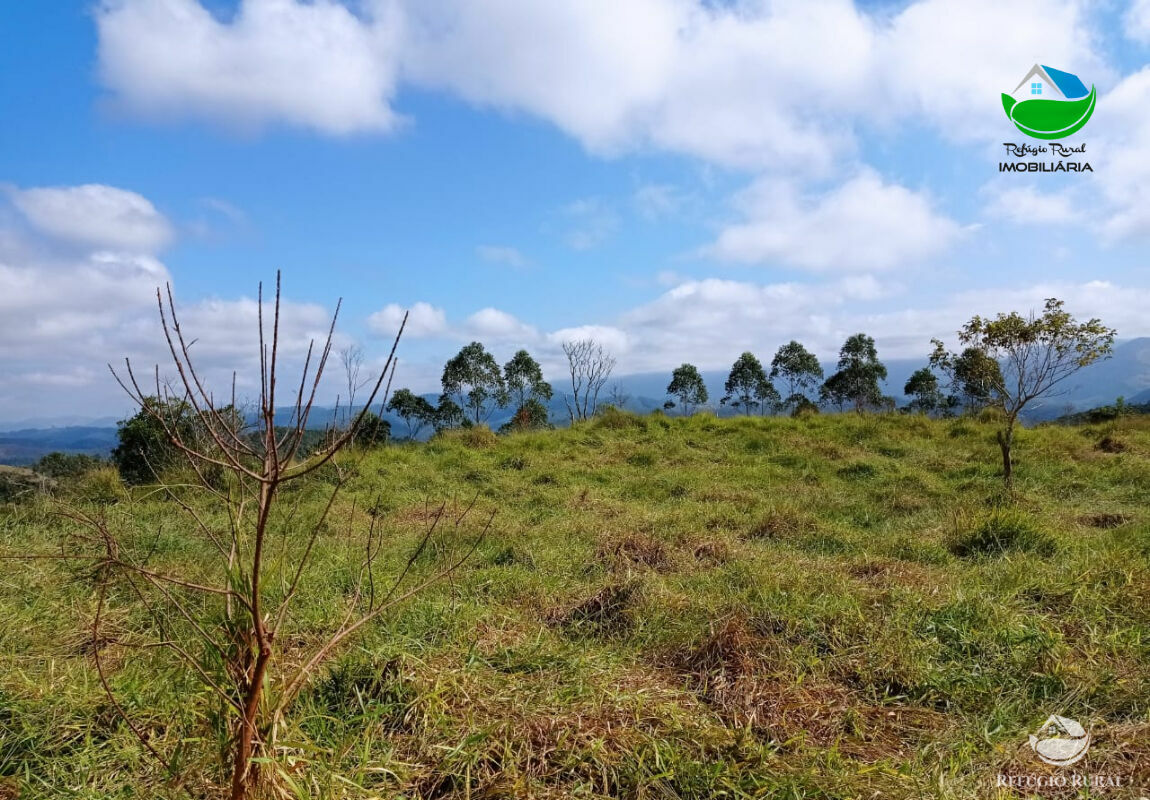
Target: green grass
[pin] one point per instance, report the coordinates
(826, 607)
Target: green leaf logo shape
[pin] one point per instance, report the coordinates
(1054, 105)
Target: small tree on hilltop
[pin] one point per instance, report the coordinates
(922, 387)
(448, 415)
(747, 385)
(413, 409)
(473, 379)
(525, 385)
(531, 415)
(687, 385)
(858, 375)
(799, 371)
(1038, 353)
(524, 379)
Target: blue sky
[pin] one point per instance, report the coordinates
(682, 181)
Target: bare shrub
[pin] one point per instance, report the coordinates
(226, 619)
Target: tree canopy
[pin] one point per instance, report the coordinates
(799, 370)
(1037, 353)
(858, 375)
(413, 409)
(747, 386)
(472, 378)
(524, 379)
(687, 385)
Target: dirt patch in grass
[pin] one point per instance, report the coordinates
(605, 613)
(712, 551)
(633, 550)
(1111, 444)
(889, 572)
(1104, 520)
(735, 670)
(781, 522)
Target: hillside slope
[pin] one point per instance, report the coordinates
(676, 608)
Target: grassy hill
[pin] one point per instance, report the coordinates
(830, 607)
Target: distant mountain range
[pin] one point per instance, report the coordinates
(1126, 375)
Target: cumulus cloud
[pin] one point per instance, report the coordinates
(865, 224)
(1122, 162)
(94, 215)
(80, 278)
(491, 323)
(423, 321)
(776, 84)
(315, 65)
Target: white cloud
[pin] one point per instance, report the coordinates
(1122, 160)
(949, 60)
(424, 321)
(71, 305)
(491, 323)
(774, 84)
(502, 254)
(1137, 21)
(1026, 205)
(864, 224)
(95, 216)
(310, 64)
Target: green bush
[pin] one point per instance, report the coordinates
(102, 486)
(612, 418)
(1003, 531)
(67, 465)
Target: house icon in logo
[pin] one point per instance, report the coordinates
(1049, 103)
(1049, 84)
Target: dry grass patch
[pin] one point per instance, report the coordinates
(1104, 520)
(633, 550)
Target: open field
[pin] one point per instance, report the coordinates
(829, 607)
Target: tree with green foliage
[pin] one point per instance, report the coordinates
(1037, 353)
(859, 371)
(524, 379)
(971, 375)
(67, 465)
(834, 391)
(747, 386)
(146, 447)
(800, 372)
(448, 415)
(531, 415)
(687, 385)
(526, 387)
(922, 387)
(473, 379)
(413, 409)
(372, 430)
